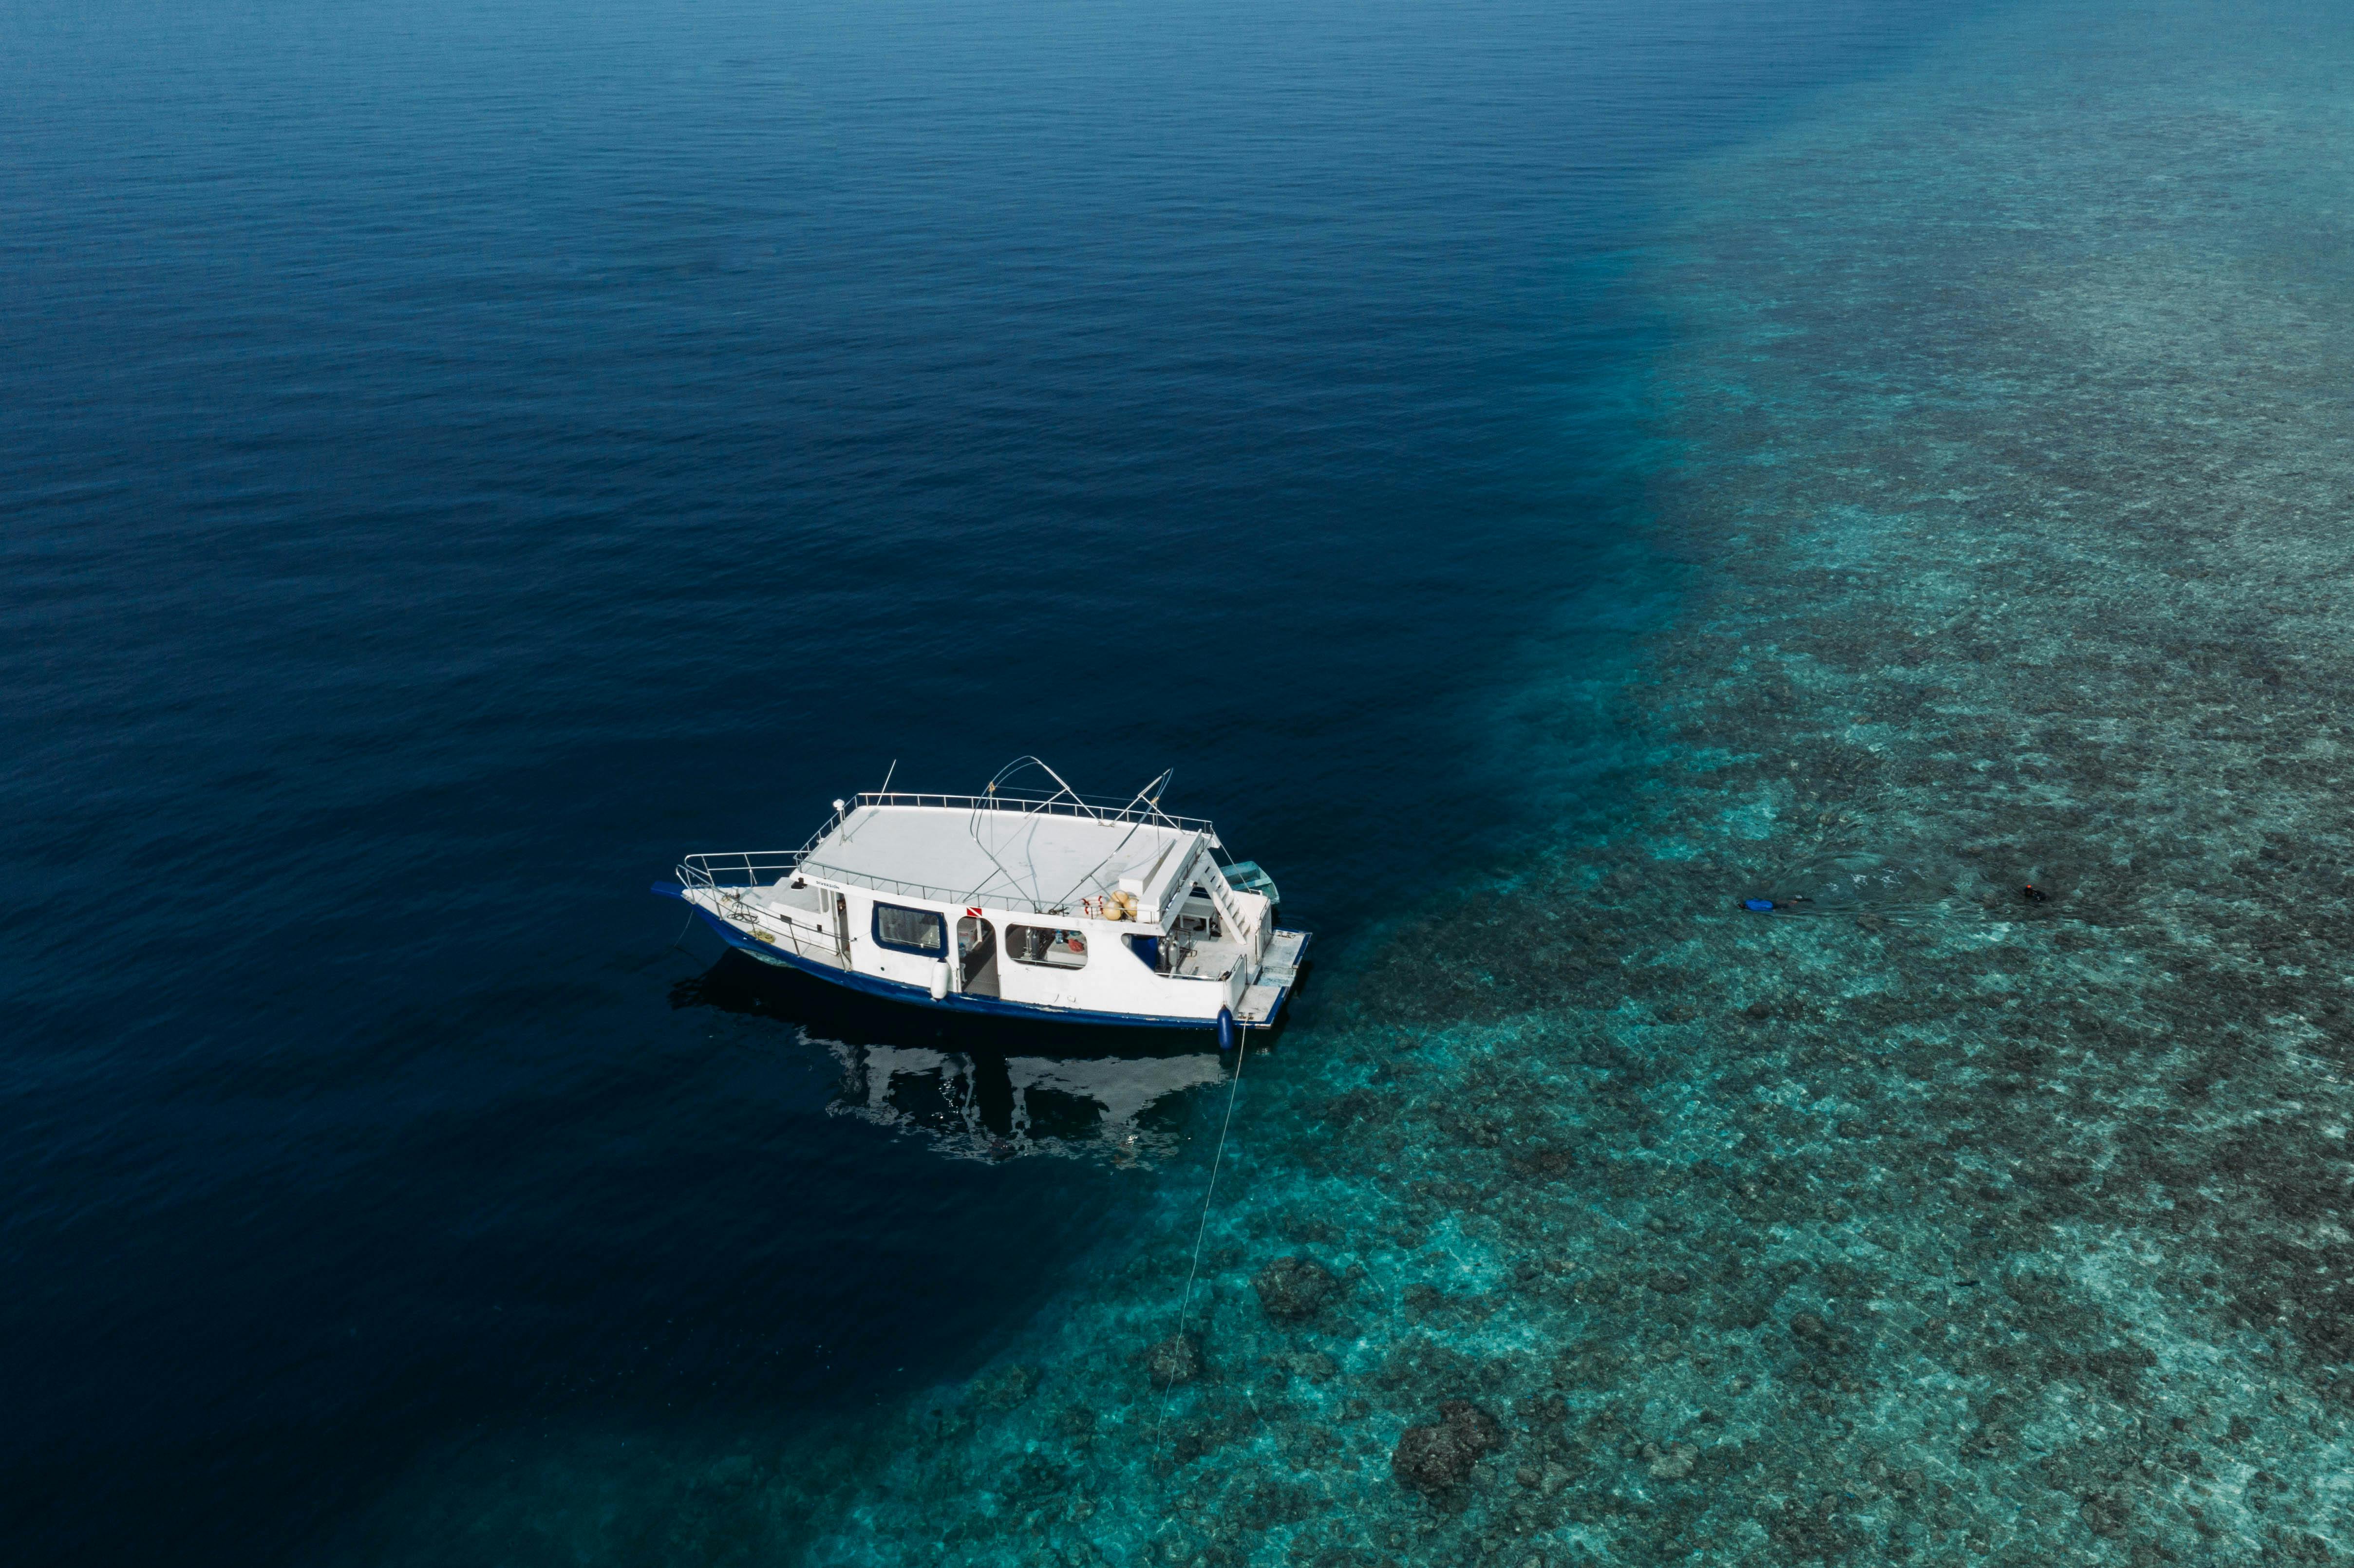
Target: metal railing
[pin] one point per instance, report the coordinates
(727, 874)
(1099, 809)
(742, 868)
(718, 873)
(968, 896)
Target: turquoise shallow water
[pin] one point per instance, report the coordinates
(1928, 1218)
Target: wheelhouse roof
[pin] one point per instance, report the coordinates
(999, 854)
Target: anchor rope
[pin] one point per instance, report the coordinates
(1185, 1302)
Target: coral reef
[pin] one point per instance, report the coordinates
(1439, 1458)
(1174, 1360)
(1295, 1287)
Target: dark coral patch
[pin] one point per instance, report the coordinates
(1439, 1458)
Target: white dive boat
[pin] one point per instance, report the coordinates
(1025, 904)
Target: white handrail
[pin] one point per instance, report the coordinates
(765, 869)
(720, 871)
(1098, 807)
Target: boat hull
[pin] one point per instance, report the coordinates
(955, 1002)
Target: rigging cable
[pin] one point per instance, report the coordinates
(1186, 1303)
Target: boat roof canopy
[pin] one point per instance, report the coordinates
(1011, 858)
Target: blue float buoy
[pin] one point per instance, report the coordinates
(1228, 1032)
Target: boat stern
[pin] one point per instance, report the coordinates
(1262, 1001)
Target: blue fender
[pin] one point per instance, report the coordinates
(1230, 1033)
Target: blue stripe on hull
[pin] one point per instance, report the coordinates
(900, 991)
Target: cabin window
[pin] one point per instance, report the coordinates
(906, 930)
(1044, 945)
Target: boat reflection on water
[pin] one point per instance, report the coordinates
(987, 1106)
(980, 1089)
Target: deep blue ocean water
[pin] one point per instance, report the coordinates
(458, 458)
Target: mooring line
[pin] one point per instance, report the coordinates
(1185, 1304)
